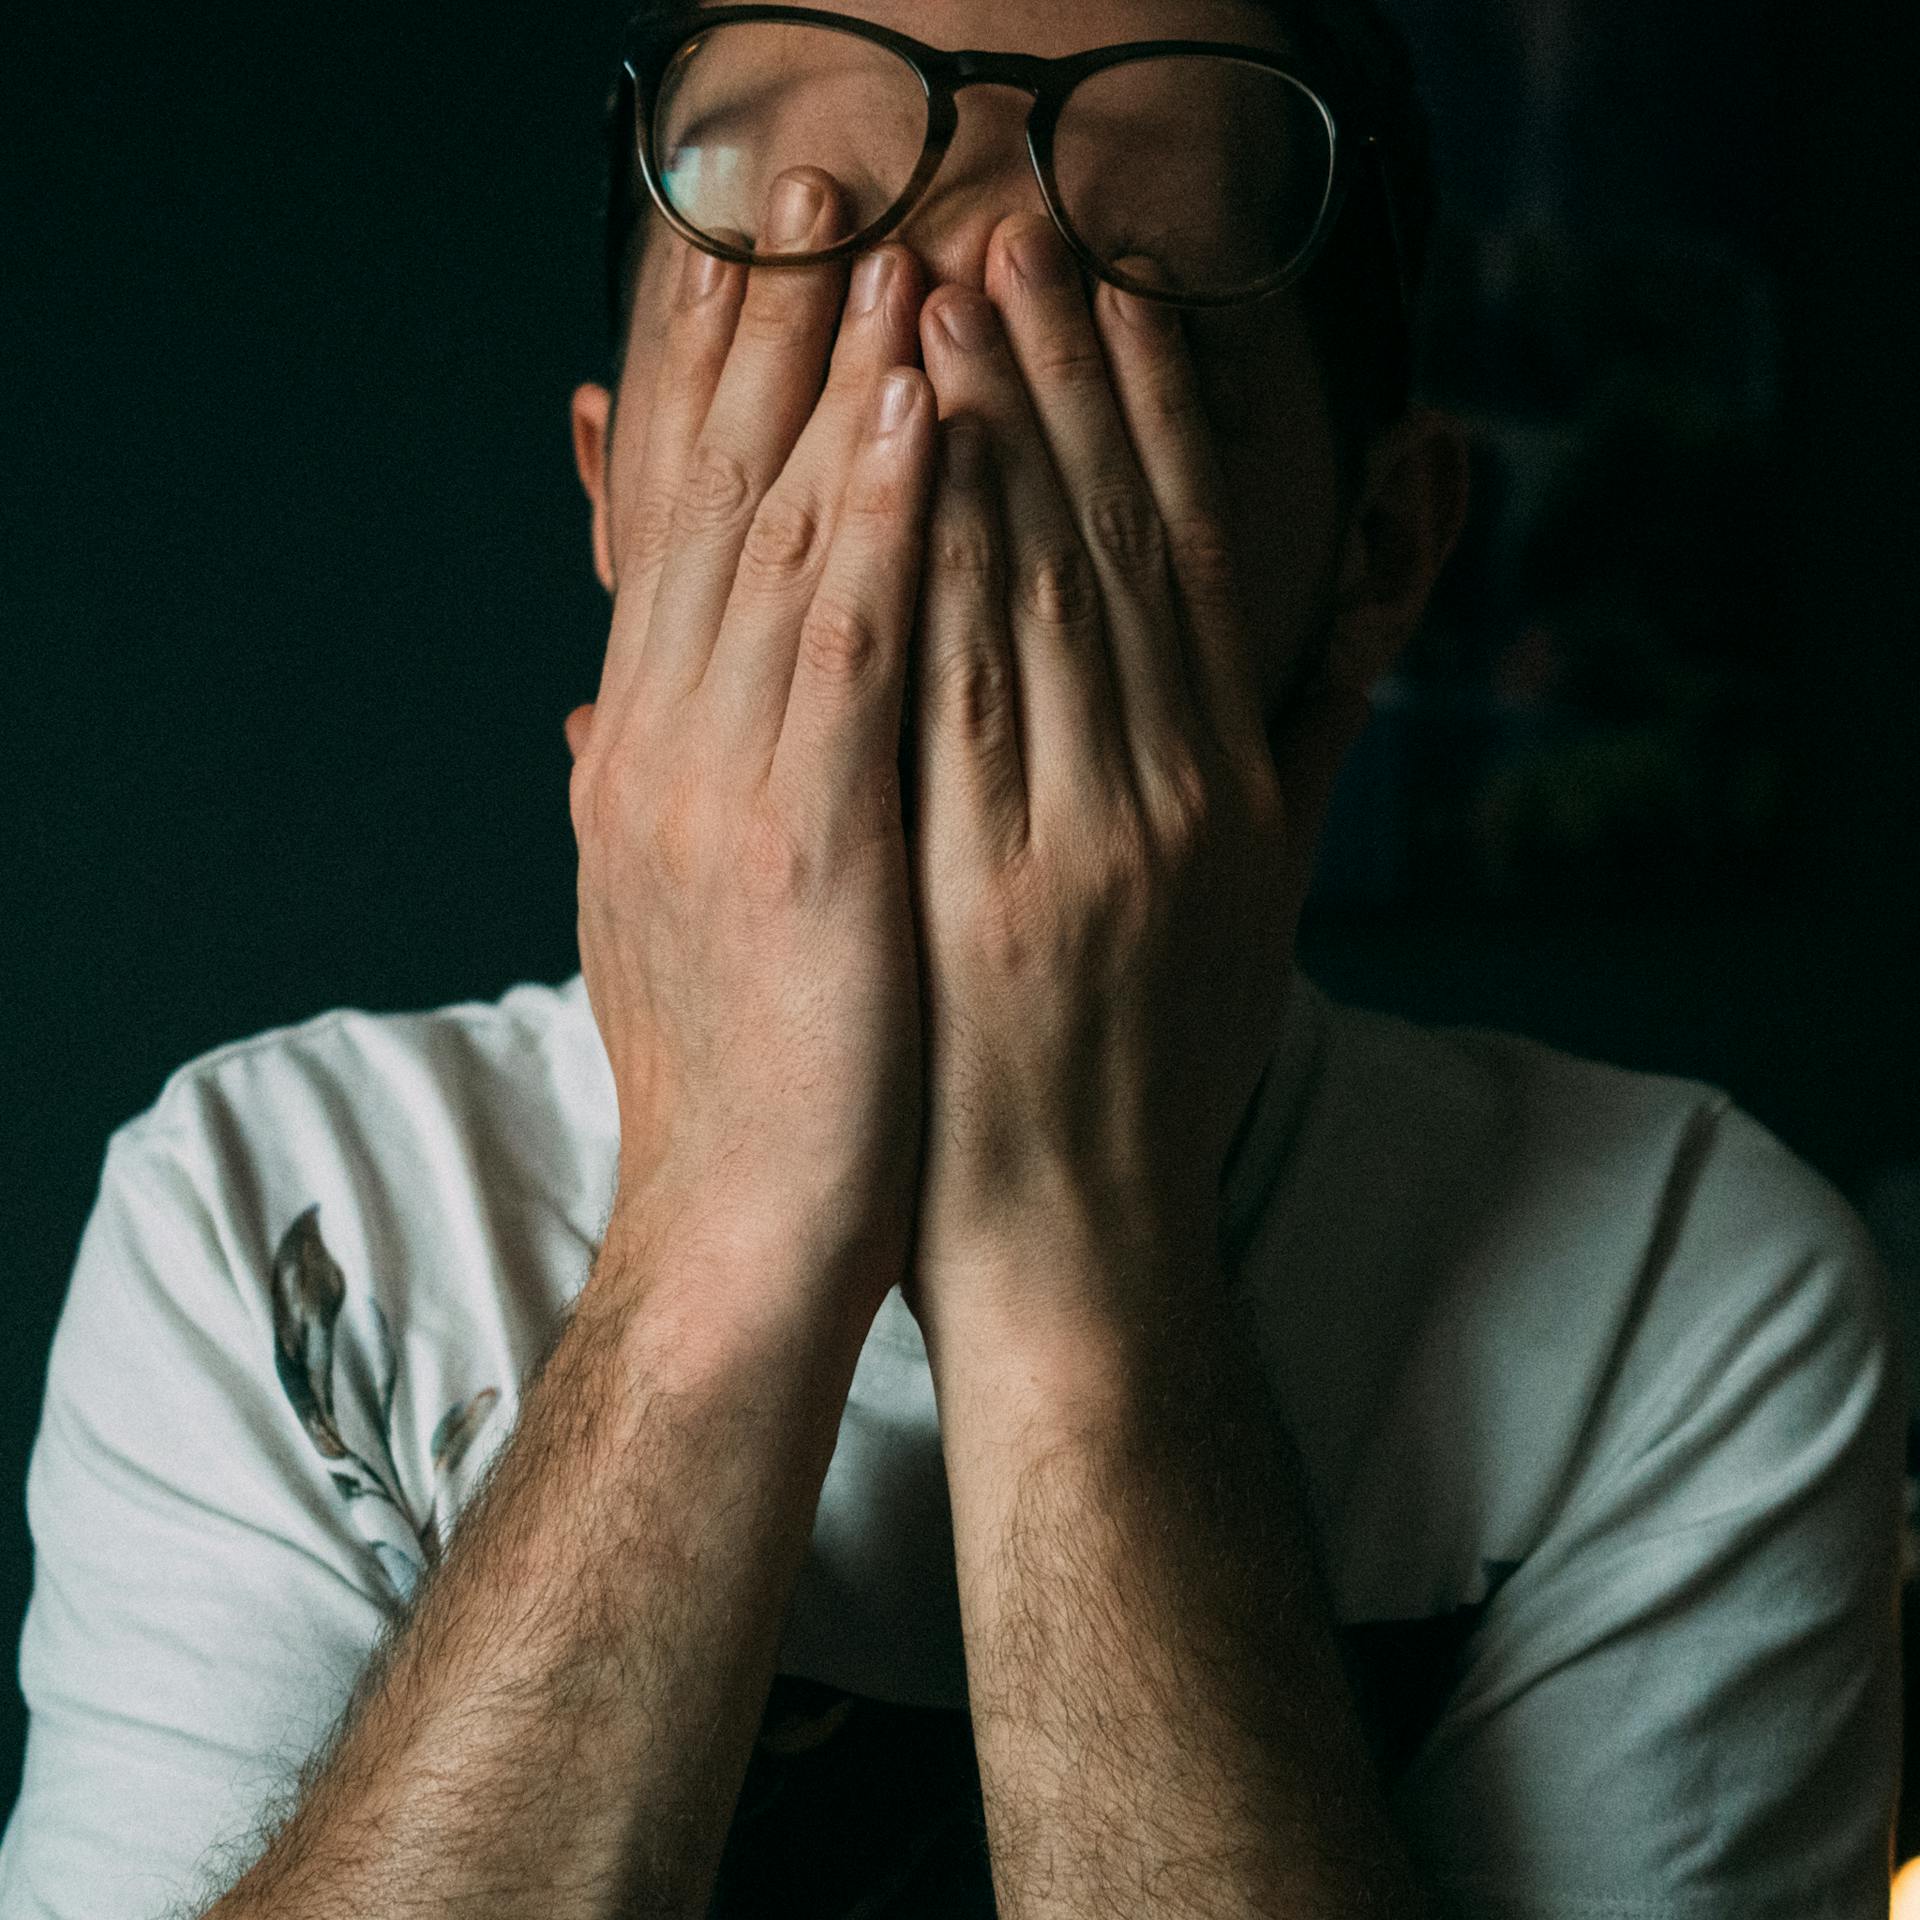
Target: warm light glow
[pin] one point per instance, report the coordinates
(1906, 1892)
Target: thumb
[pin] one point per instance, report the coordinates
(579, 724)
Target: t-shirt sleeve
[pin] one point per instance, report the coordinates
(200, 1606)
(1685, 1703)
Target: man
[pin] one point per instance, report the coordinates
(1059, 1412)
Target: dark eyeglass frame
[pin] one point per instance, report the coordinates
(651, 50)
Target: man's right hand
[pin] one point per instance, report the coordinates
(745, 921)
(562, 1726)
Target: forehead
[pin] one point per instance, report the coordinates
(1055, 27)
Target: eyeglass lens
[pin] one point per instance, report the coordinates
(1212, 169)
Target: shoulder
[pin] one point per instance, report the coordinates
(1625, 1172)
(326, 1250)
(455, 1166)
(1647, 1429)
(438, 1180)
(348, 1070)
(302, 1300)
(1518, 1270)
(403, 1122)
(1521, 1105)
(1598, 1379)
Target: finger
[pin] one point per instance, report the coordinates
(750, 677)
(838, 757)
(1072, 745)
(1037, 285)
(693, 353)
(970, 790)
(764, 397)
(1160, 400)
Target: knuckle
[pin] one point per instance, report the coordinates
(1071, 360)
(763, 320)
(583, 804)
(1003, 937)
(965, 548)
(652, 535)
(785, 540)
(1056, 585)
(717, 491)
(597, 803)
(776, 867)
(1012, 919)
(777, 304)
(1124, 527)
(1174, 405)
(973, 689)
(641, 825)
(1182, 802)
(1122, 872)
(1205, 558)
(673, 837)
(877, 498)
(840, 640)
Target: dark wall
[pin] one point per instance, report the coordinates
(1602, 163)
(296, 587)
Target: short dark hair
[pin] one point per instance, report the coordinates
(1364, 353)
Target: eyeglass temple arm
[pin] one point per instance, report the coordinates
(620, 206)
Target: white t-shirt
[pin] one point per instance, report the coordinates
(1594, 1384)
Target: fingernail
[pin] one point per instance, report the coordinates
(1155, 317)
(871, 280)
(699, 275)
(898, 392)
(967, 320)
(796, 203)
(1040, 256)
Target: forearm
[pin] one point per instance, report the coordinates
(1160, 1714)
(561, 1724)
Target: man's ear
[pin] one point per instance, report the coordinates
(592, 410)
(1411, 506)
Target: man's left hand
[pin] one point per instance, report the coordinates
(1110, 854)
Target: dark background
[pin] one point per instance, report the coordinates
(296, 587)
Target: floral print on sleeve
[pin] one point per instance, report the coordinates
(309, 1291)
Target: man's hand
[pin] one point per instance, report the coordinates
(1110, 859)
(561, 1725)
(745, 921)
(1109, 863)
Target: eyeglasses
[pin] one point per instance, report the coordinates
(1215, 171)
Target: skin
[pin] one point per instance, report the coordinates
(980, 1029)
(1209, 449)
(944, 820)
(1366, 572)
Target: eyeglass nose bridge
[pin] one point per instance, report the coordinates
(944, 74)
(974, 68)
(947, 74)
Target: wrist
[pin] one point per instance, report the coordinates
(731, 1280)
(1072, 1317)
